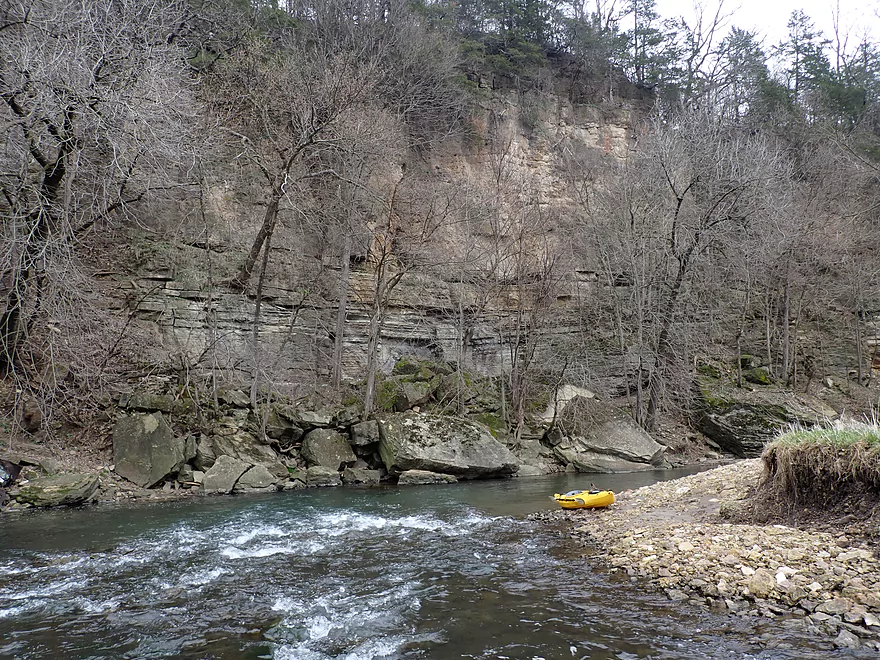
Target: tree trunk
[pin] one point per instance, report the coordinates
(269, 220)
(11, 329)
(786, 339)
(372, 357)
(341, 311)
(664, 353)
(768, 345)
(858, 332)
(256, 332)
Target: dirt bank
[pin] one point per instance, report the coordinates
(677, 535)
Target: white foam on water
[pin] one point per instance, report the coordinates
(250, 535)
(53, 589)
(303, 548)
(298, 652)
(343, 522)
(14, 611)
(376, 648)
(340, 523)
(201, 578)
(371, 649)
(343, 615)
(10, 568)
(95, 607)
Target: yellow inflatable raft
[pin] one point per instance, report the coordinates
(585, 499)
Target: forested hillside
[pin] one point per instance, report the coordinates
(290, 198)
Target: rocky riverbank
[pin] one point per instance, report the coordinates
(676, 537)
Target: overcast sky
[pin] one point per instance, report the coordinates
(770, 17)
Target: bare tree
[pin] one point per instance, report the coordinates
(692, 188)
(95, 110)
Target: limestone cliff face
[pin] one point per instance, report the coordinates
(442, 310)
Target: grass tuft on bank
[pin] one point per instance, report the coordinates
(819, 465)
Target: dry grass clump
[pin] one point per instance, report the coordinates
(820, 465)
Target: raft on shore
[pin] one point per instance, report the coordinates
(584, 499)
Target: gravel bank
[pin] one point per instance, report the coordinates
(674, 535)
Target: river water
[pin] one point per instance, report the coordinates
(425, 572)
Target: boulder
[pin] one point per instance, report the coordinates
(190, 448)
(235, 398)
(223, 474)
(415, 441)
(257, 478)
(584, 460)
(318, 475)
(65, 489)
(149, 402)
(185, 474)
(423, 478)
(414, 382)
(534, 458)
(565, 394)
(245, 447)
(328, 449)
(361, 476)
(205, 455)
(364, 433)
(742, 421)
(602, 438)
(409, 394)
(145, 449)
(316, 418)
(531, 471)
(345, 417)
(282, 429)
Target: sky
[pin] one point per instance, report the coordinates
(769, 17)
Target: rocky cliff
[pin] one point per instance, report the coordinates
(174, 286)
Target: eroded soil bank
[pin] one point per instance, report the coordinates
(823, 575)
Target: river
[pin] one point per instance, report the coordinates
(430, 572)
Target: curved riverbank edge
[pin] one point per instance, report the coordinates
(673, 536)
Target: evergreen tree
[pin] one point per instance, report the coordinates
(743, 88)
(802, 54)
(651, 54)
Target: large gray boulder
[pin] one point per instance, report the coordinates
(424, 478)
(205, 455)
(318, 475)
(416, 441)
(65, 489)
(364, 433)
(598, 437)
(409, 394)
(280, 428)
(256, 478)
(316, 418)
(328, 449)
(244, 446)
(146, 451)
(223, 475)
(361, 476)
(743, 421)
